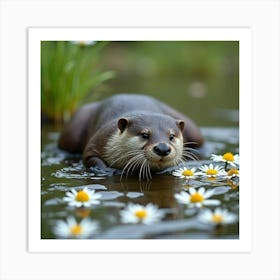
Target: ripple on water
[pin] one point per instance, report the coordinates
(217, 139)
(150, 231)
(221, 190)
(134, 194)
(76, 171)
(91, 187)
(58, 166)
(63, 187)
(108, 195)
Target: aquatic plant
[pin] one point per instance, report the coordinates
(232, 173)
(83, 197)
(196, 198)
(187, 173)
(136, 213)
(69, 74)
(73, 229)
(217, 217)
(199, 198)
(228, 158)
(211, 171)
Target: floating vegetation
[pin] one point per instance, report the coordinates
(198, 199)
(73, 229)
(136, 213)
(217, 217)
(84, 197)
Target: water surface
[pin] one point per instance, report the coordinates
(62, 171)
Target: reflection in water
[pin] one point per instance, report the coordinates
(61, 172)
(204, 86)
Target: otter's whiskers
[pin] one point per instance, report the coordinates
(145, 168)
(133, 163)
(188, 152)
(137, 161)
(121, 158)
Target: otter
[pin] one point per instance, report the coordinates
(133, 133)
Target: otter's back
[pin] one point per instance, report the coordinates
(120, 105)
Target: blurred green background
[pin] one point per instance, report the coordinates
(199, 78)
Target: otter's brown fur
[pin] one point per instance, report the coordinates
(132, 132)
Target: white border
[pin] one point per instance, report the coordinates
(243, 35)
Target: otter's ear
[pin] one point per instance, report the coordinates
(122, 124)
(180, 124)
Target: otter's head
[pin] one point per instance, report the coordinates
(148, 142)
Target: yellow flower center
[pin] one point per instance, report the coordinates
(187, 172)
(76, 230)
(211, 172)
(217, 218)
(196, 197)
(228, 157)
(233, 171)
(141, 214)
(82, 196)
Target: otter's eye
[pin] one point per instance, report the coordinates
(171, 137)
(145, 135)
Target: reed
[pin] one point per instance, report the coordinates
(69, 74)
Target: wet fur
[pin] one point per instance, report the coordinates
(108, 133)
(139, 157)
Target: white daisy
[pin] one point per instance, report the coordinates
(83, 43)
(196, 198)
(136, 213)
(83, 197)
(212, 172)
(72, 229)
(227, 158)
(233, 172)
(186, 173)
(217, 217)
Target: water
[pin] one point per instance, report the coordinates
(62, 171)
(200, 79)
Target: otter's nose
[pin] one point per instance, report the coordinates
(162, 149)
